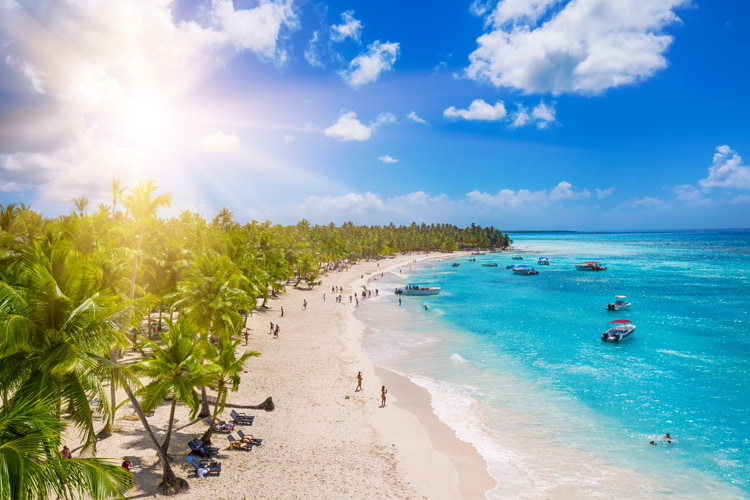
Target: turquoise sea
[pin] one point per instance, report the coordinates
(515, 365)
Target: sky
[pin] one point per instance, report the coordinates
(522, 114)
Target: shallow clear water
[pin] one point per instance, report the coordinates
(515, 364)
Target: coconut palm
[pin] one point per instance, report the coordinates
(118, 191)
(80, 204)
(30, 466)
(53, 327)
(174, 369)
(7, 216)
(226, 375)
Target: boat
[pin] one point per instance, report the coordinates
(476, 253)
(517, 257)
(418, 289)
(591, 265)
(543, 261)
(525, 270)
(623, 329)
(510, 266)
(472, 259)
(489, 264)
(619, 304)
(456, 264)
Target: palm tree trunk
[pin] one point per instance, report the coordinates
(207, 436)
(165, 446)
(107, 431)
(205, 410)
(168, 475)
(161, 304)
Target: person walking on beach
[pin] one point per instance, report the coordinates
(276, 331)
(324, 297)
(271, 331)
(383, 392)
(282, 311)
(399, 301)
(246, 336)
(359, 382)
(304, 304)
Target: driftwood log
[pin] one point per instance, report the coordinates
(266, 405)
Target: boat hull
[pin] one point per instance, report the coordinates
(618, 334)
(418, 293)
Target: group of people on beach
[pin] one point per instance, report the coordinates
(383, 390)
(275, 329)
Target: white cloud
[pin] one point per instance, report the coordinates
(604, 193)
(383, 119)
(480, 7)
(509, 198)
(583, 46)
(348, 128)
(646, 201)
(219, 142)
(289, 138)
(689, 194)
(742, 198)
(387, 159)
(311, 51)
(412, 116)
(349, 28)
(32, 74)
(544, 115)
(258, 29)
(478, 110)
(727, 171)
(367, 67)
(520, 116)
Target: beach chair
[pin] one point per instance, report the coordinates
(201, 450)
(250, 439)
(197, 442)
(237, 445)
(209, 467)
(220, 427)
(241, 418)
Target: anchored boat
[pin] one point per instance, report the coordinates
(489, 264)
(623, 329)
(517, 257)
(543, 261)
(418, 289)
(525, 270)
(619, 304)
(456, 264)
(591, 265)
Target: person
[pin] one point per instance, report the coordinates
(276, 331)
(200, 471)
(376, 292)
(359, 382)
(127, 464)
(246, 336)
(652, 443)
(399, 301)
(282, 311)
(383, 392)
(324, 297)
(65, 453)
(350, 299)
(667, 436)
(271, 327)
(304, 304)
(425, 307)
(333, 289)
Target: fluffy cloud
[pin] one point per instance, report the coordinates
(349, 28)
(384, 119)
(367, 67)
(414, 117)
(387, 159)
(348, 128)
(218, 143)
(478, 110)
(689, 194)
(520, 116)
(583, 46)
(312, 55)
(543, 114)
(604, 193)
(727, 171)
(509, 198)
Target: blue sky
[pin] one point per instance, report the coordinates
(523, 114)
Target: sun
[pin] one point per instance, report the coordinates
(143, 120)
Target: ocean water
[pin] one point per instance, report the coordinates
(515, 365)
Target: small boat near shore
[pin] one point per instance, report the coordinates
(456, 264)
(526, 270)
(517, 257)
(591, 265)
(543, 261)
(619, 304)
(623, 329)
(472, 259)
(489, 264)
(418, 289)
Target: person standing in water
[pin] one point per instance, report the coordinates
(383, 392)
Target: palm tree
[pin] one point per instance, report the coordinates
(173, 369)
(117, 193)
(226, 376)
(224, 219)
(30, 466)
(80, 204)
(7, 216)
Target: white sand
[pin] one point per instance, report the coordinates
(323, 440)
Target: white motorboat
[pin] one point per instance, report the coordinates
(619, 304)
(591, 265)
(418, 289)
(543, 261)
(522, 269)
(622, 330)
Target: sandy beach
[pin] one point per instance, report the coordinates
(323, 440)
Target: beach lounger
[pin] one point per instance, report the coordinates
(197, 442)
(225, 428)
(238, 445)
(201, 450)
(204, 467)
(252, 440)
(241, 419)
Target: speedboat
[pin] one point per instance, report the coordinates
(510, 266)
(472, 259)
(517, 257)
(456, 264)
(619, 304)
(418, 289)
(525, 270)
(622, 330)
(543, 261)
(489, 264)
(591, 265)
(476, 253)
